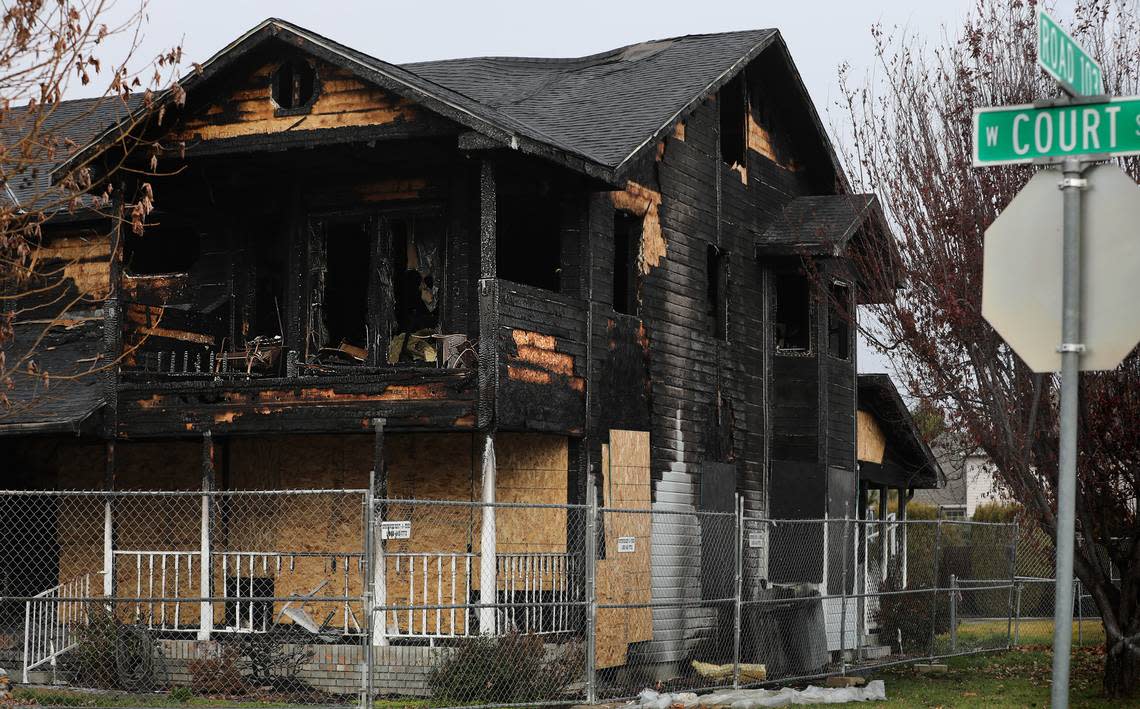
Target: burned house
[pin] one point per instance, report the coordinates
(495, 279)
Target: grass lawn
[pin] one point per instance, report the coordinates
(1017, 678)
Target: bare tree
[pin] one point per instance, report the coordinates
(910, 143)
(47, 48)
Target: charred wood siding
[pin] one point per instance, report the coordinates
(542, 341)
(409, 400)
(247, 109)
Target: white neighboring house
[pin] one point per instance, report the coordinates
(969, 480)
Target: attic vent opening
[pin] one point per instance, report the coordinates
(294, 85)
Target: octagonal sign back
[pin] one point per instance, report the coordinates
(1021, 280)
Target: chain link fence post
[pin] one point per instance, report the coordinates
(1013, 588)
(935, 585)
(953, 613)
(369, 592)
(738, 591)
(1017, 617)
(590, 551)
(844, 541)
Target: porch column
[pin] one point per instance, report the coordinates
(378, 514)
(488, 387)
(109, 523)
(206, 566)
(884, 492)
(487, 554)
(904, 497)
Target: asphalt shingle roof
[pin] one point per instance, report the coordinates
(595, 112)
(77, 121)
(814, 225)
(604, 106)
(61, 404)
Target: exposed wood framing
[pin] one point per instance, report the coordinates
(645, 203)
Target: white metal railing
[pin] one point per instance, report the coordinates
(431, 579)
(49, 623)
(544, 584)
(537, 591)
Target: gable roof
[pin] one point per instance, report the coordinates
(606, 106)
(909, 460)
(594, 114)
(816, 225)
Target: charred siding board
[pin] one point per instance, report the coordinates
(795, 427)
(409, 400)
(342, 100)
(707, 396)
(840, 412)
(542, 340)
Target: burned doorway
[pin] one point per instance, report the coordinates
(375, 283)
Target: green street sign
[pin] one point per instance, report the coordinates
(1064, 60)
(1017, 134)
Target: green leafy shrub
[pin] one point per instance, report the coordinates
(996, 512)
(507, 669)
(909, 616)
(110, 654)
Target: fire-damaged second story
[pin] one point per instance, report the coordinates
(656, 238)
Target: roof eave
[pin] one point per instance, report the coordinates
(390, 79)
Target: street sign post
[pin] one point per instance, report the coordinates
(1019, 134)
(1064, 60)
(1073, 133)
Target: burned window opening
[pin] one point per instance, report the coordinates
(348, 253)
(733, 105)
(793, 314)
(417, 265)
(627, 245)
(716, 291)
(269, 263)
(838, 324)
(294, 85)
(160, 250)
(529, 247)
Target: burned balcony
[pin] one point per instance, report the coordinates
(366, 297)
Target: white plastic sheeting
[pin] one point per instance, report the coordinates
(749, 698)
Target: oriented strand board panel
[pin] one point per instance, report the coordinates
(439, 556)
(342, 100)
(623, 577)
(870, 440)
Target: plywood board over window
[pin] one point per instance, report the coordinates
(623, 577)
(870, 439)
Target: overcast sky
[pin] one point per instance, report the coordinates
(820, 34)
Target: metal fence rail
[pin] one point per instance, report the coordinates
(316, 595)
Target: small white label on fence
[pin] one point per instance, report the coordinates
(755, 540)
(627, 545)
(396, 530)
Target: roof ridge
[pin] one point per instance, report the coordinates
(586, 57)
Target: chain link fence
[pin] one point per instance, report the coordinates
(336, 595)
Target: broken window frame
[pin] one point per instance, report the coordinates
(295, 105)
(732, 109)
(808, 315)
(626, 250)
(838, 321)
(380, 317)
(549, 205)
